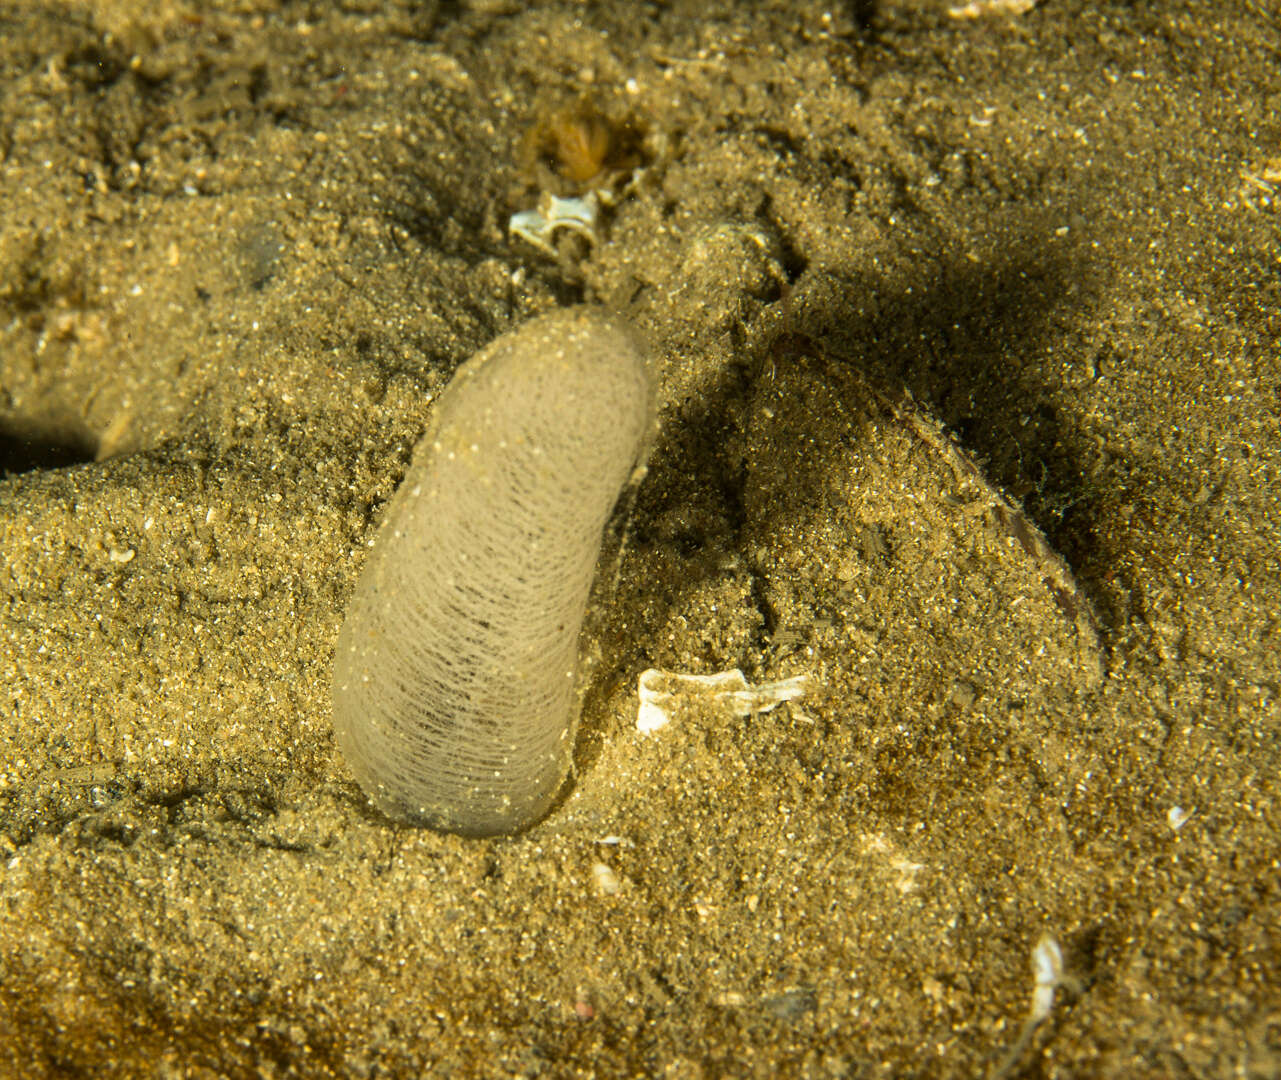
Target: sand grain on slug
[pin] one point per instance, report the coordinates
(454, 678)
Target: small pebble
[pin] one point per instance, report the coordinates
(605, 880)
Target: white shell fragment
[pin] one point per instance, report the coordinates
(660, 691)
(1047, 970)
(1176, 817)
(1047, 975)
(539, 226)
(979, 8)
(605, 880)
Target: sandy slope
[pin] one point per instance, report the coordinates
(242, 244)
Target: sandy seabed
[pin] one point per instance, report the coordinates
(967, 333)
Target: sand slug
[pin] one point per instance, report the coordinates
(454, 680)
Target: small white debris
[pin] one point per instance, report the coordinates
(118, 556)
(1178, 817)
(1259, 185)
(1047, 968)
(605, 881)
(1048, 976)
(905, 872)
(539, 226)
(976, 9)
(660, 691)
(615, 841)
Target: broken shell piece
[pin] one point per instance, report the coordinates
(605, 881)
(979, 8)
(660, 691)
(1047, 969)
(539, 226)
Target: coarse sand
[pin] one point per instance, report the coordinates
(967, 331)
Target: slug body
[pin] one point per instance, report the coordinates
(455, 702)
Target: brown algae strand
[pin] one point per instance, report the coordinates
(454, 679)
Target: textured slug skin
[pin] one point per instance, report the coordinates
(454, 679)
